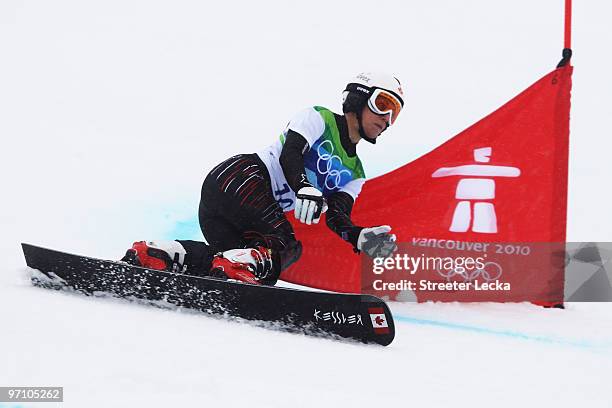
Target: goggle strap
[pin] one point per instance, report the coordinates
(364, 89)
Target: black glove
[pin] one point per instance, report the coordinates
(376, 242)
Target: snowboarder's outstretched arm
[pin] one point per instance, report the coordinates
(374, 241)
(339, 217)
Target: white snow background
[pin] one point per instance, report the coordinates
(112, 112)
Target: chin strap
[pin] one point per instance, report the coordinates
(361, 132)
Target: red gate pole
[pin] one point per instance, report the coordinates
(568, 24)
(567, 41)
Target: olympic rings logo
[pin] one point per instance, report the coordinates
(491, 271)
(325, 166)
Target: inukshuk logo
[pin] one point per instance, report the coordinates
(475, 195)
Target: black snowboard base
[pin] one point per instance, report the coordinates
(362, 318)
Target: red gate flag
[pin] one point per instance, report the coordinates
(502, 180)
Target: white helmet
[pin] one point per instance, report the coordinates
(382, 93)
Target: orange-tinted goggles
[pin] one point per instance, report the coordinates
(383, 102)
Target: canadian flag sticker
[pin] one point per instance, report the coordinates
(379, 320)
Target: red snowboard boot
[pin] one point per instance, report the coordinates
(250, 265)
(160, 255)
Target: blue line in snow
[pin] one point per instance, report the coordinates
(501, 333)
(186, 229)
(190, 229)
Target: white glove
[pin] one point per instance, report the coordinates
(376, 242)
(309, 205)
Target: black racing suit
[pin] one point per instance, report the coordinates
(238, 209)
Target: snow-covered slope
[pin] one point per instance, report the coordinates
(111, 113)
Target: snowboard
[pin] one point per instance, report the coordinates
(356, 317)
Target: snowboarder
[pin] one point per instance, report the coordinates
(311, 169)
